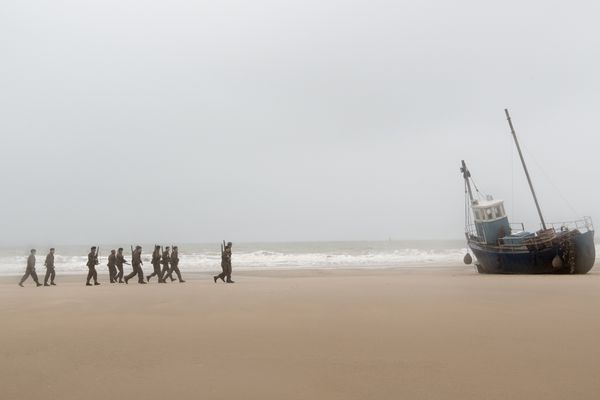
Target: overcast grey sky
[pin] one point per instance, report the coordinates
(192, 121)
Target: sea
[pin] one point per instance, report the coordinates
(205, 257)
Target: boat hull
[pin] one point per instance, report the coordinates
(502, 260)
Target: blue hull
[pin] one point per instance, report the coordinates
(504, 260)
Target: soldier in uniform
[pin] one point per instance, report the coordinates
(156, 264)
(112, 266)
(49, 263)
(120, 260)
(174, 266)
(91, 264)
(30, 270)
(136, 263)
(225, 265)
(166, 259)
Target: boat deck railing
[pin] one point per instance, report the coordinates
(517, 227)
(582, 225)
(472, 235)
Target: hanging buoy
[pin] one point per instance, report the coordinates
(468, 259)
(557, 262)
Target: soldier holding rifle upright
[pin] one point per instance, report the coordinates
(225, 263)
(136, 263)
(91, 264)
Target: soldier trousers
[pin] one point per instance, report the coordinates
(112, 273)
(166, 271)
(92, 274)
(174, 268)
(156, 273)
(226, 271)
(137, 270)
(30, 272)
(119, 275)
(50, 274)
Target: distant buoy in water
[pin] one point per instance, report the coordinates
(557, 262)
(468, 259)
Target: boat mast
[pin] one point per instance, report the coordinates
(467, 175)
(537, 205)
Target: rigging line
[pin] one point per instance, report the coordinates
(467, 213)
(477, 188)
(466, 207)
(556, 188)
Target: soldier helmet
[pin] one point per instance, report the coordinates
(120, 249)
(138, 247)
(156, 246)
(167, 247)
(229, 244)
(113, 251)
(93, 247)
(175, 247)
(52, 249)
(32, 250)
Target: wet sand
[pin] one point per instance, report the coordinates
(412, 333)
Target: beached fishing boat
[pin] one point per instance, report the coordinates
(501, 247)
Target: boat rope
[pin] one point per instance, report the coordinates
(467, 211)
(479, 194)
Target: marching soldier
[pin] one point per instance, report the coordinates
(30, 270)
(166, 259)
(174, 266)
(136, 263)
(225, 264)
(49, 263)
(91, 264)
(156, 264)
(120, 260)
(112, 266)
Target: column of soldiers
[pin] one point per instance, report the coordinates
(167, 258)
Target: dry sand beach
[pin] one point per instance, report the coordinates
(411, 333)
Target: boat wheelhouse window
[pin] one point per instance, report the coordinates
(497, 212)
(488, 213)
